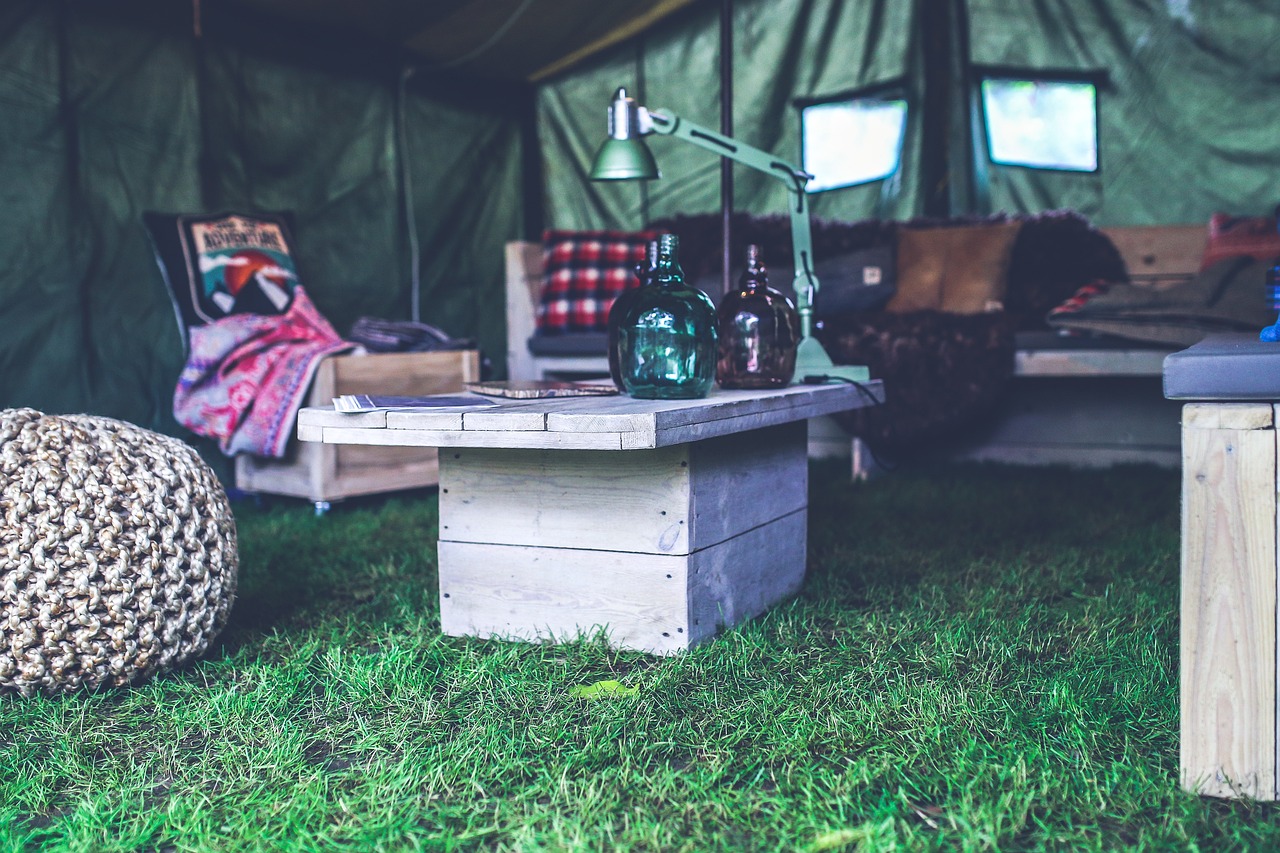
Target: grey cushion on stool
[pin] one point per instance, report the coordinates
(118, 553)
(1227, 366)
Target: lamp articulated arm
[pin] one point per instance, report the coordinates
(624, 157)
(806, 283)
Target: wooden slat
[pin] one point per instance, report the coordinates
(727, 426)
(745, 576)
(322, 415)
(474, 438)
(523, 290)
(353, 458)
(1228, 626)
(1160, 250)
(1032, 362)
(672, 500)
(435, 419)
(1227, 416)
(637, 502)
(747, 479)
(626, 414)
(371, 476)
(534, 420)
(520, 415)
(404, 373)
(529, 593)
(647, 416)
(309, 432)
(642, 601)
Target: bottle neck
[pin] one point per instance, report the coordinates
(667, 271)
(755, 276)
(668, 274)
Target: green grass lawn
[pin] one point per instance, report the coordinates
(981, 658)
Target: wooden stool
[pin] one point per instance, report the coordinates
(1228, 566)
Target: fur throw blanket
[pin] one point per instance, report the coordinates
(941, 371)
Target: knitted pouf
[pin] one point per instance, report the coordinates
(118, 553)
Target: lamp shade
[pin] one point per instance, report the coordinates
(624, 160)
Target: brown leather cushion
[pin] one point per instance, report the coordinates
(961, 270)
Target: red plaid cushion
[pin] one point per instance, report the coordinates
(1236, 236)
(583, 272)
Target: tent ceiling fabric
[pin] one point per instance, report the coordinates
(506, 39)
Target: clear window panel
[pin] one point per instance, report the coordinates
(852, 142)
(1042, 123)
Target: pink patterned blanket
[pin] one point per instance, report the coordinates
(247, 374)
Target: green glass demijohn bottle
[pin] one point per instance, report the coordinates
(644, 272)
(759, 332)
(667, 335)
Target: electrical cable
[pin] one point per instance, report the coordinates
(824, 378)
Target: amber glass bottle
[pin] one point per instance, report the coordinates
(667, 335)
(759, 332)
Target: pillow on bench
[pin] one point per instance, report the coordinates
(583, 272)
(215, 265)
(960, 270)
(1241, 236)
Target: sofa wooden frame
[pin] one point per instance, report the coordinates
(1069, 404)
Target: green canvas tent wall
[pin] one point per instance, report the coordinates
(1186, 89)
(112, 112)
(452, 127)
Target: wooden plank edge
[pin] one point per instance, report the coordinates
(1244, 416)
(668, 419)
(514, 440)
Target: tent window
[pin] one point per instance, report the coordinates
(1042, 123)
(852, 141)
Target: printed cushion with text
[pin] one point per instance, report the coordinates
(220, 264)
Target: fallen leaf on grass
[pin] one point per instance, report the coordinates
(837, 840)
(603, 690)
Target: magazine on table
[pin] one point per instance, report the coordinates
(356, 403)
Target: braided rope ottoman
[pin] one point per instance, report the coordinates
(118, 553)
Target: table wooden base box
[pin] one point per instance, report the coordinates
(661, 548)
(1229, 600)
(657, 522)
(326, 472)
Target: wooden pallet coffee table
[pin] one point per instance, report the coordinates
(659, 522)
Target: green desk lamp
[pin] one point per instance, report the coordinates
(625, 157)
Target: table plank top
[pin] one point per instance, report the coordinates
(586, 423)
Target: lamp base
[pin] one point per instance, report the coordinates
(812, 361)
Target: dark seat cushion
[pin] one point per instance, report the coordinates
(1227, 366)
(575, 343)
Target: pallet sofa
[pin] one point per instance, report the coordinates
(323, 473)
(1086, 402)
(1076, 401)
